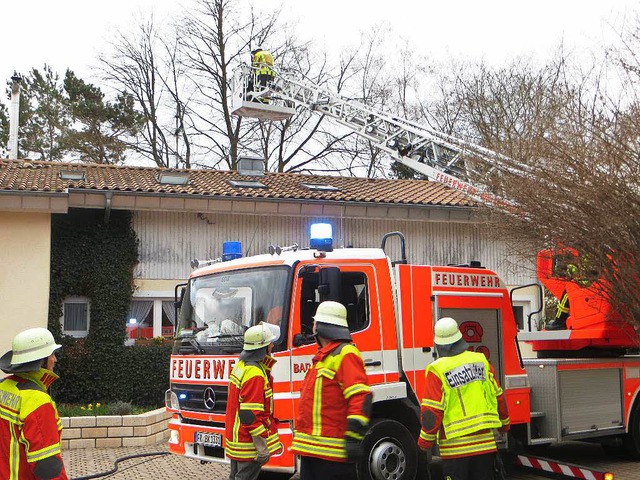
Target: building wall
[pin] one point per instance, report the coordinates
(24, 280)
(169, 241)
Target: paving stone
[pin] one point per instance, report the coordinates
(88, 461)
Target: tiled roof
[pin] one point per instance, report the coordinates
(38, 176)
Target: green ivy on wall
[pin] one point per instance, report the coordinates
(95, 259)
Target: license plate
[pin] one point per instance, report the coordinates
(209, 439)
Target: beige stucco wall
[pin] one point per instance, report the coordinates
(25, 250)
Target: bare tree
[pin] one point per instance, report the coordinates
(570, 166)
(148, 67)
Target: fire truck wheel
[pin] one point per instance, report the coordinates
(389, 452)
(632, 438)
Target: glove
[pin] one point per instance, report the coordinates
(261, 446)
(354, 449)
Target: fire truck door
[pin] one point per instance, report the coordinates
(480, 320)
(358, 293)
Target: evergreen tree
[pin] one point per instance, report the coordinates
(43, 116)
(4, 130)
(100, 129)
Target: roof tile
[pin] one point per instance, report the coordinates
(30, 175)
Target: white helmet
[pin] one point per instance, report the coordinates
(331, 321)
(333, 313)
(32, 344)
(446, 331)
(260, 336)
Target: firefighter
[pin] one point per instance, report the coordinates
(251, 430)
(30, 427)
(335, 401)
(461, 405)
(262, 63)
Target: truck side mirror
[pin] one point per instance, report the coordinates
(300, 339)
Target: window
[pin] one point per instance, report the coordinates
(151, 315)
(140, 319)
(320, 187)
(246, 184)
(75, 316)
(353, 295)
(518, 313)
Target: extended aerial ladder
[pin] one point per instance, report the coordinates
(438, 156)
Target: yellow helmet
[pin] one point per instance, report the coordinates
(259, 336)
(446, 331)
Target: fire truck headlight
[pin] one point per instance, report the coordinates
(174, 437)
(171, 400)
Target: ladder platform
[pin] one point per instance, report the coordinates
(262, 111)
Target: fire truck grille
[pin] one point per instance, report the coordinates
(198, 398)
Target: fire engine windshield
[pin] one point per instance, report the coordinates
(217, 309)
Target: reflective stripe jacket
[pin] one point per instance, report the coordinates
(30, 427)
(335, 402)
(250, 410)
(462, 403)
(263, 62)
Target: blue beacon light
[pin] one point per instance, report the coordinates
(231, 251)
(321, 235)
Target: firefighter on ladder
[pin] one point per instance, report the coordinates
(251, 430)
(30, 427)
(263, 73)
(335, 401)
(461, 405)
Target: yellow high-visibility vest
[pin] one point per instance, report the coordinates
(263, 61)
(470, 394)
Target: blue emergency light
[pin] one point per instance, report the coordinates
(231, 251)
(321, 235)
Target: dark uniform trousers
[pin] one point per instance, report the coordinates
(473, 467)
(312, 468)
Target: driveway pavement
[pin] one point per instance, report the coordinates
(85, 462)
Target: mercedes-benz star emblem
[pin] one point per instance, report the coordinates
(209, 398)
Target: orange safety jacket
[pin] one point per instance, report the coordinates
(480, 440)
(250, 410)
(30, 427)
(335, 403)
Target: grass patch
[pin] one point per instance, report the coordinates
(96, 409)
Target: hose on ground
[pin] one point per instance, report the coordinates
(115, 465)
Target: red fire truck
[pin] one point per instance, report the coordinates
(583, 385)
(391, 307)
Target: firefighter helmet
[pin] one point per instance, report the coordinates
(446, 331)
(32, 344)
(260, 336)
(331, 321)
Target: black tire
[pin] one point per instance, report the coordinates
(631, 440)
(389, 452)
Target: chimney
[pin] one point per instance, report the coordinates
(251, 166)
(14, 116)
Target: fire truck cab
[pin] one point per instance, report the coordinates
(391, 309)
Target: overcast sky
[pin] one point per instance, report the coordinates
(71, 33)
